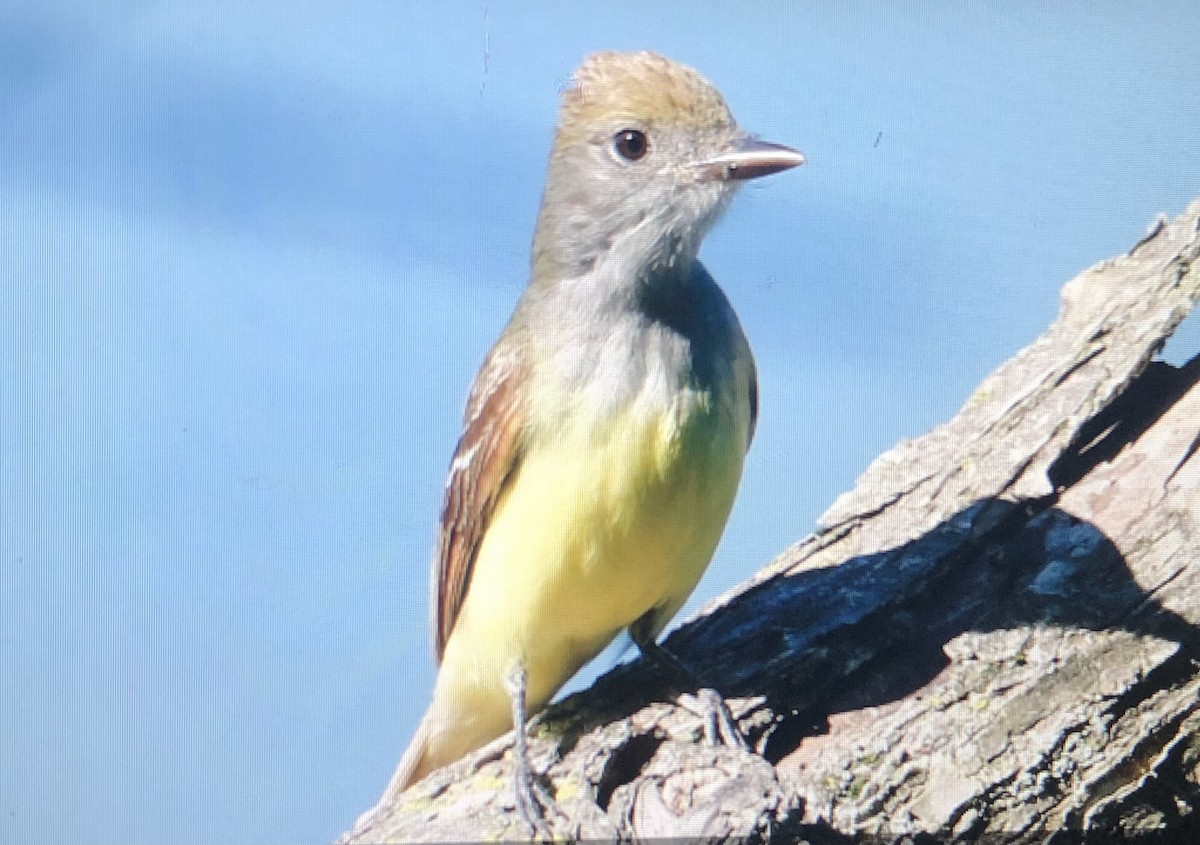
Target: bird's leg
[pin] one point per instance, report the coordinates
(720, 728)
(532, 801)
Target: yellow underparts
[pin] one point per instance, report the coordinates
(602, 524)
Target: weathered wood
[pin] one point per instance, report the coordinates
(993, 637)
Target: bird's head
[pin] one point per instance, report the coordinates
(646, 156)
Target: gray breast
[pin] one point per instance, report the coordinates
(606, 346)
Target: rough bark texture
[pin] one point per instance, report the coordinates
(993, 637)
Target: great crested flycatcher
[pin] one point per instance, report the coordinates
(604, 435)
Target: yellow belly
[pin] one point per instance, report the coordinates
(601, 525)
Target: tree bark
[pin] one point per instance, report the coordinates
(993, 637)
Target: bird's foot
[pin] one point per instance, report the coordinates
(534, 804)
(720, 728)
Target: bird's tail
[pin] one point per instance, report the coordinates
(413, 766)
(446, 733)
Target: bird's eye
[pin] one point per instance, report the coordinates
(631, 144)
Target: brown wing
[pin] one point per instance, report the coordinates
(488, 452)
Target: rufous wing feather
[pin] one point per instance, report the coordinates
(488, 453)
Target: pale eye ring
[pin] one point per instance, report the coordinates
(631, 144)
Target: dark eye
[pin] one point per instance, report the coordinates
(631, 144)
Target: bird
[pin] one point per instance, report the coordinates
(604, 435)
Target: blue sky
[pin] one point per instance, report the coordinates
(251, 255)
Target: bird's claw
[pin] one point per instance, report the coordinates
(534, 804)
(720, 728)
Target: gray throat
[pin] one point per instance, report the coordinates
(608, 343)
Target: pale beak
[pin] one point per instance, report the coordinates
(749, 158)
